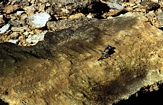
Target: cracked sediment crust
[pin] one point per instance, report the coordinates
(64, 69)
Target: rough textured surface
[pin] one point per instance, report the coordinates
(64, 70)
(24, 16)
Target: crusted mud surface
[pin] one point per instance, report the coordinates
(64, 68)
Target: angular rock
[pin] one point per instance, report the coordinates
(34, 39)
(19, 29)
(30, 9)
(1, 20)
(38, 20)
(64, 68)
(17, 23)
(78, 15)
(13, 41)
(19, 12)
(4, 28)
(115, 5)
(14, 35)
(66, 7)
(10, 8)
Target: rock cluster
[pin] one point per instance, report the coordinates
(21, 18)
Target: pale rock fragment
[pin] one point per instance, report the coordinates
(78, 15)
(115, 5)
(38, 20)
(13, 41)
(4, 28)
(34, 39)
(90, 15)
(14, 35)
(157, 1)
(19, 12)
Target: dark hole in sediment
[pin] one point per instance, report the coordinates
(148, 98)
(3, 103)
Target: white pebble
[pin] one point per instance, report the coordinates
(4, 28)
(19, 12)
(34, 39)
(115, 5)
(38, 20)
(13, 41)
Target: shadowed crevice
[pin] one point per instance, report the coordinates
(3, 103)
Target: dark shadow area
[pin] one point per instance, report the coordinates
(110, 52)
(3, 103)
(105, 93)
(150, 5)
(4, 2)
(148, 98)
(161, 28)
(108, 93)
(96, 8)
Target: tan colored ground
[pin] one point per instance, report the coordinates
(64, 69)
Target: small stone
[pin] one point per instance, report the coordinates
(21, 37)
(155, 1)
(115, 5)
(17, 23)
(14, 35)
(12, 16)
(36, 31)
(41, 7)
(76, 15)
(47, 4)
(159, 11)
(1, 20)
(13, 41)
(29, 9)
(10, 8)
(19, 29)
(151, 13)
(111, 13)
(38, 20)
(23, 16)
(90, 15)
(26, 33)
(4, 28)
(19, 12)
(129, 9)
(32, 1)
(34, 39)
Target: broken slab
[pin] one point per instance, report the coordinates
(64, 68)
